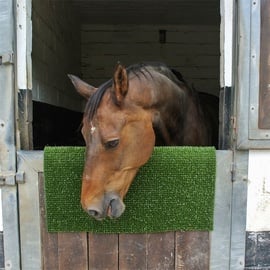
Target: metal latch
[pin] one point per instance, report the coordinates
(10, 178)
(7, 58)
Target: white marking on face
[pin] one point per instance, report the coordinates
(93, 128)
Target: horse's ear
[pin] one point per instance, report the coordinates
(120, 83)
(84, 89)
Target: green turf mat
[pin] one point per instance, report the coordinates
(173, 191)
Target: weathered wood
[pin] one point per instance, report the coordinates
(72, 251)
(103, 251)
(63, 251)
(264, 100)
(50, 250)
(192, 251)
(161, 251)
(164, 251)
(132, 251)
(25, 119)
(49, 240)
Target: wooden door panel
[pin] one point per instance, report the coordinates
(103, 251)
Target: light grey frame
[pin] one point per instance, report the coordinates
(239, 210)
(220, 236)
(248, 135)
(31, 163)
(7, 136)
(228, 237)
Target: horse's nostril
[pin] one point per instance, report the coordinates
(93, 213)
(116, 207)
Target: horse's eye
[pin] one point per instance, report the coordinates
(111, 144)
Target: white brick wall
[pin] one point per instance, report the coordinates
(192, 49)
(56, 52)
(61, 46)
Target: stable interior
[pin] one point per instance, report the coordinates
(87, 38)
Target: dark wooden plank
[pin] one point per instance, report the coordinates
(192, 250)
(50, 250)
(132, 251)
(61, 250)
(103, 251)
(49, 240)
(72, 251)
(2, 255)
(161, 251)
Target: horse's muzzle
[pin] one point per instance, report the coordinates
(111, 206)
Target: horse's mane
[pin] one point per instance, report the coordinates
(141, 69)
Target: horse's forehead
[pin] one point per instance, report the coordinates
(109, 117)
(107, 112)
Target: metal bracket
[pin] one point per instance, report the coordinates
(10, 178)
(7, 58)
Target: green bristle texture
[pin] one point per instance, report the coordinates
(173, 191)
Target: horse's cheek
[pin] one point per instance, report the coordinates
(146, 146)
(149, 144)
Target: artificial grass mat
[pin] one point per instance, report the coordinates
(173, 191)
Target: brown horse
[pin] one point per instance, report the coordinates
(140, 107)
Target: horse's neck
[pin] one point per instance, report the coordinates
(178, 121)
(176, 117)
(195, 130)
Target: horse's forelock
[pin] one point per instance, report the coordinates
(94, 101)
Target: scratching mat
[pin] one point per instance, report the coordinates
(173, 191)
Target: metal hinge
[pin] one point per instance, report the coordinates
(10, 178)
(7, 58)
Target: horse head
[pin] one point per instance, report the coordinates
(143, 105)
(119, 138)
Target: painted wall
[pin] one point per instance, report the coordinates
(61, 46)
(258, 204)
(258, 211)
(56, 52)
(191, 49)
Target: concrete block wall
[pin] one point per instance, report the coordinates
(56, 52)
(192, 49)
